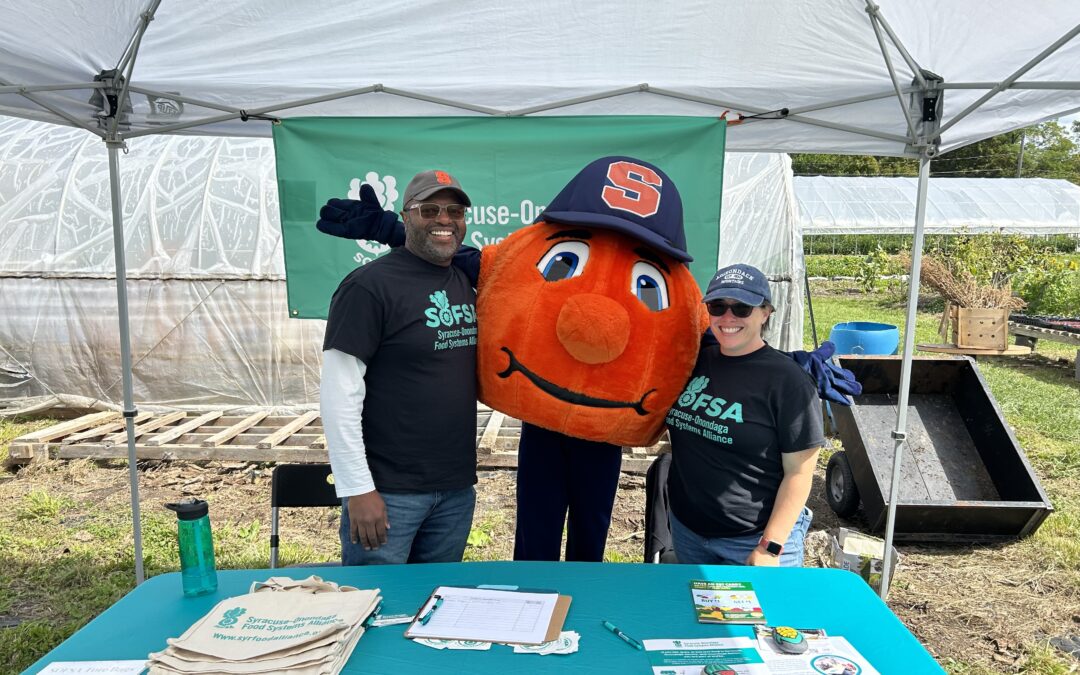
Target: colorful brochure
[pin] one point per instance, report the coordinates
(726, 602)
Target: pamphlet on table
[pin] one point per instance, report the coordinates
(726, 602)
(825, 655)
(689, 657)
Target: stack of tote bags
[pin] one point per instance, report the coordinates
(307, 627)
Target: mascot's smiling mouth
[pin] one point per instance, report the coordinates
(564, 394)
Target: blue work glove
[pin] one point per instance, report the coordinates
(833, 382)
(363, 219)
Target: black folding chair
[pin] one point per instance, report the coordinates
(298, 485)
(658, 545)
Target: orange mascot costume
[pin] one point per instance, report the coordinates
(588, 328)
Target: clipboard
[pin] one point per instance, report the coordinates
(465, 602)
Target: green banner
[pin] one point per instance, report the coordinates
(510, 166)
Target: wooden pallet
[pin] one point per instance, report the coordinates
(258, 437)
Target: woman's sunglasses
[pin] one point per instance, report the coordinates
(739, 309)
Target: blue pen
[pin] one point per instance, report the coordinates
(623, 636)
(427, 615)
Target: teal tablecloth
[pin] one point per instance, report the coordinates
(645, 601)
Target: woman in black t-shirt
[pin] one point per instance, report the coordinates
(745, 435)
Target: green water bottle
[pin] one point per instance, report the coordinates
(196, 547)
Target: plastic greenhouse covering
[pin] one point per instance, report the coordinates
(206, 276)
(886, 205)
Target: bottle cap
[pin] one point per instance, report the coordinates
(192, 509)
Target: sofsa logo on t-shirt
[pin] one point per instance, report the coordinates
(445, 314)
(694, 399)
(459, 320)
(693, 403)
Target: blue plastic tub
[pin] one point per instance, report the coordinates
(865, 337)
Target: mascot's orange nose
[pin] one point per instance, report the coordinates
(593, 328)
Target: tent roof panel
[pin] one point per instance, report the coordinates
(508, 56)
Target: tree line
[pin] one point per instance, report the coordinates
(1050, 150)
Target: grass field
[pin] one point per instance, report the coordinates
(66, 544)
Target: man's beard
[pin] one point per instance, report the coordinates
(424, 245)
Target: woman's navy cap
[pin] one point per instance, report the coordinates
(626, 195)
(742, 283)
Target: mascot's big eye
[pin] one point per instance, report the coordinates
(564, 260)
(648, 285)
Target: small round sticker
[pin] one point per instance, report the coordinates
(830, 664)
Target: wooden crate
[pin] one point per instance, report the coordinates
(978, 328)
(258, 437)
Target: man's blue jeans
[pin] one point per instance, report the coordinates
(692, 548)
(424, 527)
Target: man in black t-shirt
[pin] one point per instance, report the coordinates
(398, 391)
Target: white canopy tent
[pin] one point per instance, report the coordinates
(886, 205)
(897, 77)
(206, 272)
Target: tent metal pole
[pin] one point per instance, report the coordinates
(440, 101)
(24, 88)
(1007, 82)
(132, 48)
(877, 17)
(183, 99)
(793, 118)
(521, 112)
(231, 115)
(845, 101)
(75, 121)
(127, 66)
(892, 72)
(255, 111)
(900, 434)
(125, 349)
(1062, 86)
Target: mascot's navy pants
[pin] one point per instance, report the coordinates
(556, 473)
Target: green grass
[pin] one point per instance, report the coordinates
(12, 428)
(68, 556)
(1041, 402)
(479, 546)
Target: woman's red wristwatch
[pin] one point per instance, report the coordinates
(771, 547)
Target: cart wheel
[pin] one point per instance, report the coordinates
(840, 490)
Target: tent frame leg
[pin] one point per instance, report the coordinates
(900, 433)
(125, 349)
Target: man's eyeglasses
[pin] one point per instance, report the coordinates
(430, 211)
(739, 309)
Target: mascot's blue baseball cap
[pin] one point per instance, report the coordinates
(627, 195)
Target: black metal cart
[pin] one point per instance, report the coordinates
(963, 476)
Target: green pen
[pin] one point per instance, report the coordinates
(434, 606)
(623, 636)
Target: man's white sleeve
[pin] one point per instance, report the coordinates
(341, 397)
